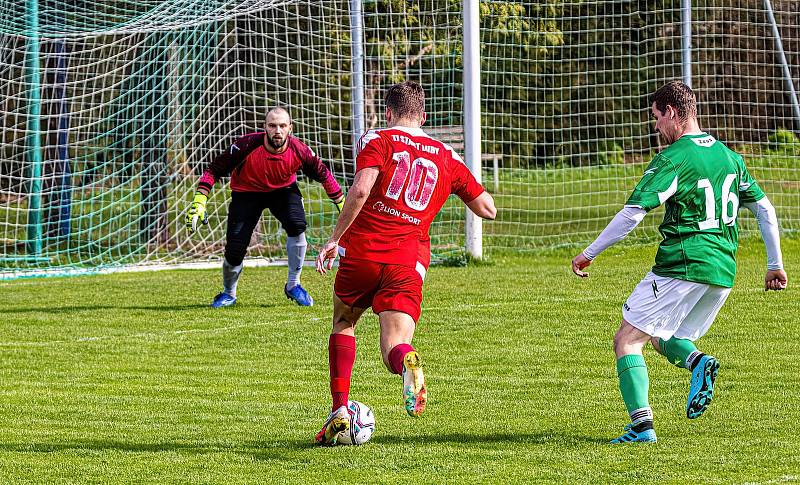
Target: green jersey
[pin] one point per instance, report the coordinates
(702, 182)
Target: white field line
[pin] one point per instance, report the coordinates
(60, 272)
(783, 479)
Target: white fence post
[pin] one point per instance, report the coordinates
(472, 118)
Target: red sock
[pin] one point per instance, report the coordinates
(396, 357)
(341, 356)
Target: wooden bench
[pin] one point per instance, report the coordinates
(454, 136)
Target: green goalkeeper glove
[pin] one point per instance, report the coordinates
(196, 213)
(339, 205)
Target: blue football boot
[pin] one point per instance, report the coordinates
(299, 295)
(631, 436)
(222, 300)
(702, 389)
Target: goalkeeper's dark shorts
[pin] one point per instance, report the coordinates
(245, 210)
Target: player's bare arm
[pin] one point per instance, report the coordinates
(483, 206)
(356, 196)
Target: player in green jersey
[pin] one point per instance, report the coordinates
(703, 183)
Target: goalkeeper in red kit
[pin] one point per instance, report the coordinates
(263, 169)
(403, 178)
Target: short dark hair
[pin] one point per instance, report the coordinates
(406, 100)
(679, 96)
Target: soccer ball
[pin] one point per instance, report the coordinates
(362, 424)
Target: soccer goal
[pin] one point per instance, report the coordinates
(109, 111)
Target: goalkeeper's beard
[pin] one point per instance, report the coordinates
(277, 145)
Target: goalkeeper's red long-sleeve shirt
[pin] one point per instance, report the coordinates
(254, 169)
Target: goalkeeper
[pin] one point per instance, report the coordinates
(263, 168)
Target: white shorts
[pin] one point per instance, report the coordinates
(665, 307)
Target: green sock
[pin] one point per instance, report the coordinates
(677, 350)
(633, 381)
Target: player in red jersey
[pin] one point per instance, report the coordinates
(263, 169)
(403, 177)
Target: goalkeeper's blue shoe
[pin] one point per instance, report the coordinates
(702, 388)
(631, 436)
(222, 300)
(299, 295)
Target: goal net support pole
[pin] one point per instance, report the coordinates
(787, 73)
(357, 70)
(472, 118)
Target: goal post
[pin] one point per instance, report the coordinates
(472, 119)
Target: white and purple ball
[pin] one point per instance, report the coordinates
(362, 424)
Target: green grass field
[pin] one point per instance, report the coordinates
(132, 378)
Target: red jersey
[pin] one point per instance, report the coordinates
(417, 175)
(254, 169)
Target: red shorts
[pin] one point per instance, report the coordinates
(363, 284)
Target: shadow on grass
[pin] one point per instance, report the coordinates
(287, 449)
(89, 308)
(543, 437)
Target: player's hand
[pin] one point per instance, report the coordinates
(326, 256)
(580, 262)
(776, 279)
(339, 204)
(196, 213)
